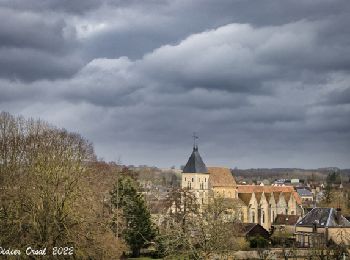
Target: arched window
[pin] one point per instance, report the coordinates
(263, 217)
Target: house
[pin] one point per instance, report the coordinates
(285, 223)
(250, 230)
(305, 195)
(321, 226)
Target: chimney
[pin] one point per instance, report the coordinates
(338, 215)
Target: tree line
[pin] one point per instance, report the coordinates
(54, 192)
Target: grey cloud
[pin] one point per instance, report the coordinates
(30, 30)
(30, 65)
(340, 97)
(36, 47)
(70, 6)
(171, 21)
(264, 84)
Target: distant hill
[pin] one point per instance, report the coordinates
(319, 174)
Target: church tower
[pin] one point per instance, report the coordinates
(195, 176)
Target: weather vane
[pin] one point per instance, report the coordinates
(194, 139)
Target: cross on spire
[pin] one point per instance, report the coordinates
(194, 141)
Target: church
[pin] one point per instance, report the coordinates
(256, 204)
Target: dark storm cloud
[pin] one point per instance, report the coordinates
(35, 46)
(340, 97)
(265, 83)
(69, 6)
(150, 24)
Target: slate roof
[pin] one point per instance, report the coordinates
(323, 217)
(283, 219)
(304, 192)
(195, 163)
(252, 229)
(221, 177)
(246, 227)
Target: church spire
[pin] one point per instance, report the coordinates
(195, 163)
(195, 137)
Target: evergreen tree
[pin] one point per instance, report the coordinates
(139, 228)
(327, 196)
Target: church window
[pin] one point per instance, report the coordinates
(192, 179)
(263, 217)
(253, 217)
(185, 178)
(205, 179)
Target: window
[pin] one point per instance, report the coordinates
(192, 179)
(253, 218)
(205, 179)
(263, 217)
(185, 178)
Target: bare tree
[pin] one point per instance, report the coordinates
(199, 232)
(45, 200)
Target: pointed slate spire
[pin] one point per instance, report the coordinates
(195, 163)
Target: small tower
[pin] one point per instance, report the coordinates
(195, 175)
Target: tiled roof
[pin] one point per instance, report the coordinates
(258, 196)
(221, 177)
(276, 196)
(287, 195)
(283, 219)
(297, 197)
(275, 190)
(258, 188)
(245, 197)
(233, 202)
(323, 217)
(195, 163)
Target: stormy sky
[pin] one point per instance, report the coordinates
(263, 83)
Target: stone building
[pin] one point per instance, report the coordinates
(321, 226)
(256, 204)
